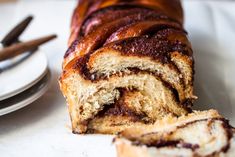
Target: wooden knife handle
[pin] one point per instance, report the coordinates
(20, 48)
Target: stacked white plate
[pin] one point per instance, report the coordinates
(23, 80)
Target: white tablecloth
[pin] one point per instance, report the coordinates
(43, 128)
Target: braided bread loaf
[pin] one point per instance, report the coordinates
(129, 63)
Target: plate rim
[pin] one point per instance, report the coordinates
(27, 86)
(29, 100)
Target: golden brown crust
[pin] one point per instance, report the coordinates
(141, 28)
(108, 14)
(171, 8)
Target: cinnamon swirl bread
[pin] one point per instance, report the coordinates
(200, 134)
(129, 63)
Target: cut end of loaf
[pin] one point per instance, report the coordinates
(132, 94)
(156, 77)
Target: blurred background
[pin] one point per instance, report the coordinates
(211, 28)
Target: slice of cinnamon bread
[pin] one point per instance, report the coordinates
(199, 134)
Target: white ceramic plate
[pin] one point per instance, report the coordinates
(21, 73)
(25, 98)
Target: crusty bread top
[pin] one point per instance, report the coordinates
(171, 8)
